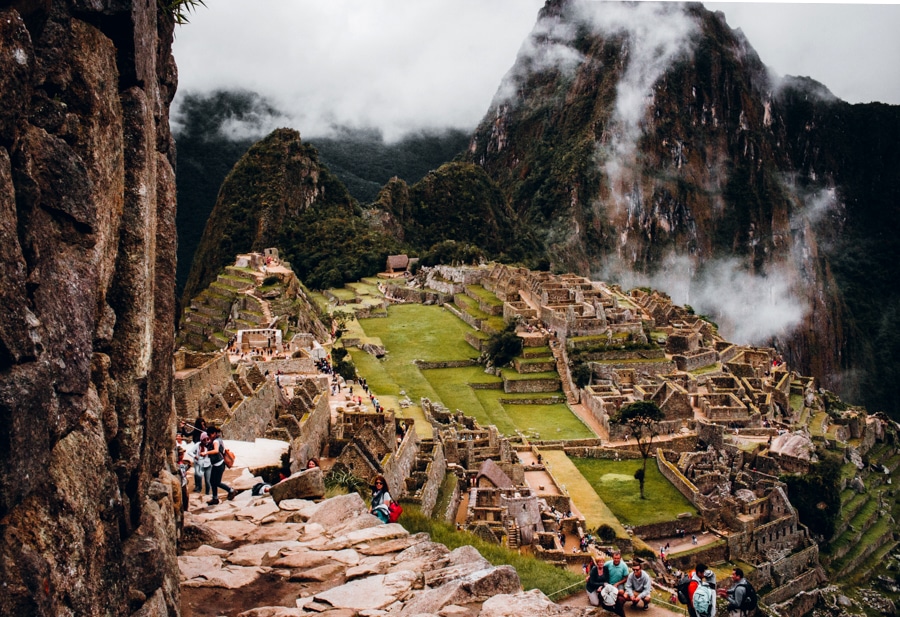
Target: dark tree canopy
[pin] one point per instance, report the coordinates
(643, 417)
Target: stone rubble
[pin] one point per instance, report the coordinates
(344, 562)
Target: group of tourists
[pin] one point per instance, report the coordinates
(698, 591)
(612, 586)
(206, 454)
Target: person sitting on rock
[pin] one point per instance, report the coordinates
(312, 463)
(381, 499)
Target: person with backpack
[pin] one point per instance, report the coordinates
(704, 599)
(217, 458)
(742, 598)
(694, 582)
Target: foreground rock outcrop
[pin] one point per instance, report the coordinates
(87, 251)
(334, 558)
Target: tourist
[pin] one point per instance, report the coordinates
(312, 463)
(184, 429)
(617, 569)
(600, 592)
(202, 464)
(697, 577)
(381, 499)
(736, 594)
(638, 587)
(218, 465)
(198, 429)
(183, 466)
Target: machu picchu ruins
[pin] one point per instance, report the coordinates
(559, 308)
(736, 420)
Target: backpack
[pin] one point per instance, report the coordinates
(751, 599)
(394, 511)
(703, 600)
(682, 588)
(228, 455)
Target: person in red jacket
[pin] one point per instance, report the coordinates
(696, 578)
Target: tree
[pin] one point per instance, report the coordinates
(582, 374)
(643, 418)
(503, 347)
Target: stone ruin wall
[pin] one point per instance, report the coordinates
(434, 472)
(253, 415)
(305, 365)
(192, 389)
(530, 385)
(314, 432)
(399, 465)
(668, 529)
(88, 488)
(695, 360)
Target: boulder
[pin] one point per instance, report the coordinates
(374, 592)
(392, 546)
(296, 504)
(422, 557)
(529, 604)
(306, 484)
(195, 535)
(275, 533)
(258, 554)
(273, 611)
(326, 572)
(370, 534)
(340, 508)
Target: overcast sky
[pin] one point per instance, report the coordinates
(405, 65)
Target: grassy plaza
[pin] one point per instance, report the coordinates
(614, 482)
(416, 332)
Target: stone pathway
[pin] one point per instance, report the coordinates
(252, 557)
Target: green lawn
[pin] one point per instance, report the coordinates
(344, 294)
(615, 484)
(595, 510)
(484, 295)
(548, 421)
(413, 331)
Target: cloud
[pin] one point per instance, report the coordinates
(404, 65)
(397, 65)
(655, 36)
(749, 309)
(547, 47)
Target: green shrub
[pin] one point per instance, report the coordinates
(606, 533)
(503, 347)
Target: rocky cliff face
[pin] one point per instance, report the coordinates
(88, 498)
(647, 143)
